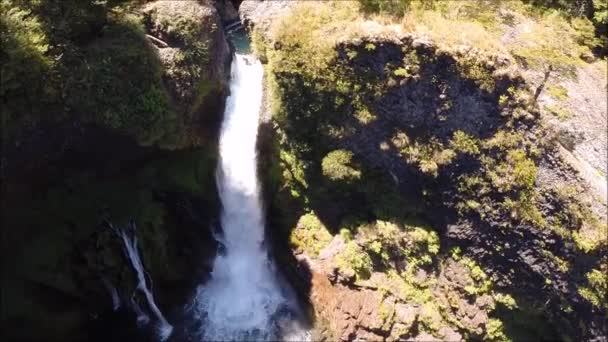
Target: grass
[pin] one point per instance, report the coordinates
(561, 113)
(558, 92)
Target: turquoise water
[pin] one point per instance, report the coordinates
(241, 41)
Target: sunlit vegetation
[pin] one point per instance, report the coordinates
(595, 291)
(336, 165)
(558, 92)
(353, 261)
(310, 235)
(551, 35)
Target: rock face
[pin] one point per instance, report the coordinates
(196, 59)
(227, 11)
(407, 108)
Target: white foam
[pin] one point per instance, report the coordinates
(243, 294)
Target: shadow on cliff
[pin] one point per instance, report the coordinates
(547, 296)
(281, 216)
(429, 107)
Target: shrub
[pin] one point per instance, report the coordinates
(355, 261)
(518, 172)
(336, 165)
(464, 143)
(390, 7)
(310, 235)
(495, 330)
(551, 44)
(597, 288)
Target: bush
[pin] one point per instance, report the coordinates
(337, 166)
(597, 288)
(192, 29)
(518, 172)
(464, 143)
(310, 235)
(355, 261)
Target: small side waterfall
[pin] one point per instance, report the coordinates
(130, 249)
(244, 299)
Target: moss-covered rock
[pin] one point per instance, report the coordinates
(194, 53)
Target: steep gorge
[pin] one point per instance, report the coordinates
(412, 187)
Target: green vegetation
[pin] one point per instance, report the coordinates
(310, 235)
(560, 112)
(464, 143)
(597, 288)
(558, 92)
(188, 26)
(136, 105)
(59, 243)
(51, 75)
(85, 109)
(336, 166)
(24, 64)
(353, 261)
(91, 62)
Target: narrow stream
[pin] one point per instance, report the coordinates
(244, 299)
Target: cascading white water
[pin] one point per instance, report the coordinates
(243, 297)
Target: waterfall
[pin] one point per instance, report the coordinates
(244, 299)
(128, 238)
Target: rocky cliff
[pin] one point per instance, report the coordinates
(419, 187)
